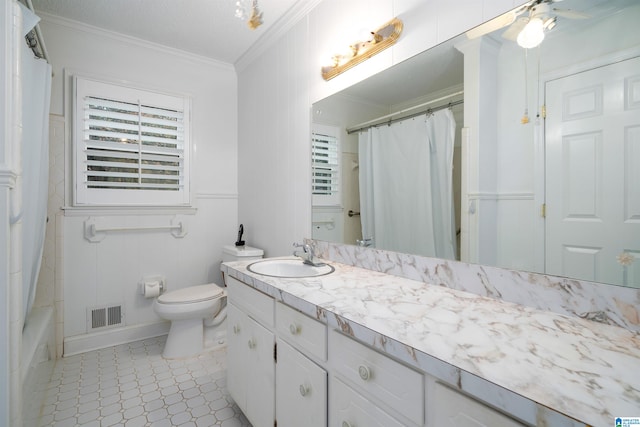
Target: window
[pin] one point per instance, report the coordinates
(325, 165)
(131, 146)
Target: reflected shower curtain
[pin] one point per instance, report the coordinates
(406, 194)
(36, 93)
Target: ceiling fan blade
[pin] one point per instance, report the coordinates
(512, 32)
(571, 14)
(493, 25)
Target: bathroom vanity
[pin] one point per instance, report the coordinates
(361, 348)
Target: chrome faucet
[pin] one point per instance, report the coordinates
(307, 254)
(365, 242)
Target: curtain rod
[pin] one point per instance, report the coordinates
(377, 122)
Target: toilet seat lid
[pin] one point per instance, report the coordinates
(191, 294)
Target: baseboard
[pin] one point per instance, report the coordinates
(109, 338)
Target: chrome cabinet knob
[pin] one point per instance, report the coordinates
(251, 343)
(294, 329)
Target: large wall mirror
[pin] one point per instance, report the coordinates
(527, 158)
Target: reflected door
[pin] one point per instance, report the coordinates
(593, 174)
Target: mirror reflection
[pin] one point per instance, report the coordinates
(488, 152)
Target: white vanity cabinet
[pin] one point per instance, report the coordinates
(268, 375)
(287, 368)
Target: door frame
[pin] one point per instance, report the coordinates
(539, 167)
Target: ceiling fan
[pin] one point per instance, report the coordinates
(528, 30)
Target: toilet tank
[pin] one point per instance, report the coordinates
(240, 253)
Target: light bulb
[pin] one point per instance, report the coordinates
(532, 34)
(364, 35)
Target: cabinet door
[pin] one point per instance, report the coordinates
(301, 390)
(448, 408)
(251, 367)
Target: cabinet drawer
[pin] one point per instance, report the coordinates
(448, 408)
(378, 376)
(259, 306)
(302, 331)
(347, 408)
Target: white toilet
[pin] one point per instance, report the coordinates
(193, 309)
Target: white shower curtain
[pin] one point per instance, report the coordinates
(406, 194)
(36, 93)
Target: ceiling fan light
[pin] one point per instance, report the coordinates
(532, 34)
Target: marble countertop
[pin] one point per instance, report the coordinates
(517, 358)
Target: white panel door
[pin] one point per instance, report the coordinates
(593, 173)
(301, 390)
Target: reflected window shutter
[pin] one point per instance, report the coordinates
(324, 165)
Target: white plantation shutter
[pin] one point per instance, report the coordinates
(131, 146)
(325, 166)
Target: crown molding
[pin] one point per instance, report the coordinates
(90, 29)
(275, 32)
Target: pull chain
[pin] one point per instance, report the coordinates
(525, 118)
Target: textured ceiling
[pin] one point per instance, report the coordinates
(203, 27)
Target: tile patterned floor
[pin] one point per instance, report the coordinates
(132, 385)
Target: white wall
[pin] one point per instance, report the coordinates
(107, 272)
(274, 173)
(277, 87)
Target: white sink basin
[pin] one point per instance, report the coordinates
(288, 268)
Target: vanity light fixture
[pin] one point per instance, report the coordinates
(358, 52)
